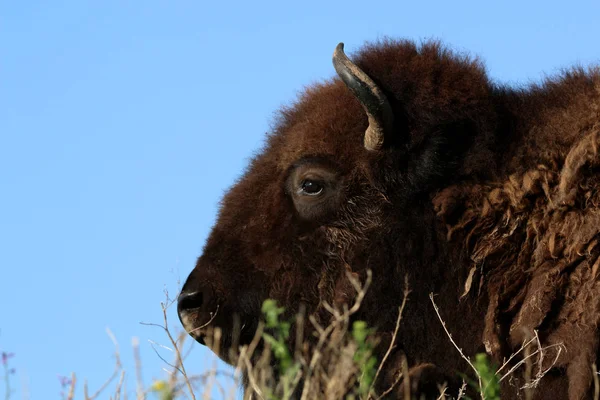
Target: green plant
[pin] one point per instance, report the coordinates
(490, 384)
(364, 359)
(281, 332)
(288, 369)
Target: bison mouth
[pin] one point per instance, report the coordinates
(221, 330)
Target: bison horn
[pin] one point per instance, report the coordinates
(371, 97)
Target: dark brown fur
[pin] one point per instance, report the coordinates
(475, 175)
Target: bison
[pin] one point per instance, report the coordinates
(413, 164)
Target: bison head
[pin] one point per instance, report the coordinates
(343, 184)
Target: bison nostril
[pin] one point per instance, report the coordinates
(189, 301)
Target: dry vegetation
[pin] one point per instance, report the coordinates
(340, 366)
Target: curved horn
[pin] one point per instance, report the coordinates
(376, 105)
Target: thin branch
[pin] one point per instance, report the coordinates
(119, 386)
(517, 365)
(163, 359)
(71, 394)
(462, 391)
(442, 395)
(160, 345)
(437, 311)
(118, 368)
(251, 378)
(135, 342)
(406, 381)
(179, 359)
(324, 333)
(389, 390)
(513, 355)
(396, 328)
(596, 382)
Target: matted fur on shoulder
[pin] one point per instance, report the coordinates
(534, 239)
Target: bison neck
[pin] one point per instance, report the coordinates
(419, 254)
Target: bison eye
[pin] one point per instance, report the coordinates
(314, 187)
(310, 187)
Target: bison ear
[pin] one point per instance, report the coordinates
(372, 98)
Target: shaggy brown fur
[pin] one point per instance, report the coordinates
(485, 195)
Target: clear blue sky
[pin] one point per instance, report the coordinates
(122, 123)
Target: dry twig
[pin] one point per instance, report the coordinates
(393, 341)
(437, 311)
(338, 318)
(179, 359)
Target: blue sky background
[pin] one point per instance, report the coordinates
(122, 123)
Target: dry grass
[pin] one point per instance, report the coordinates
(332, 367)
